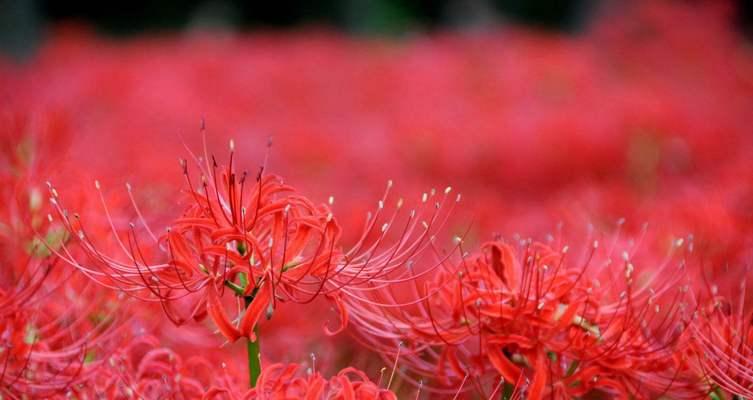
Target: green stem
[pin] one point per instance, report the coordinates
(252, 348)
(717, 394)
(507, 391)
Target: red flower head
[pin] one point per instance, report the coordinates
(260, 239)
(541, 319)
(144, 369)
(55, 328)
(257, 237)
(280, 381)
(721, 338)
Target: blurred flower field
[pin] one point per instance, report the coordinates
(501, 214)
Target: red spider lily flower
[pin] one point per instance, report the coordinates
(55, 328)
(722, 344)
(260, 239)
(51, 342)
(256, 239)
(280, 381)
(567, 327)
(144, 369)
(50, 339)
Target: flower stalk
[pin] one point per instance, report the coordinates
(252, 350)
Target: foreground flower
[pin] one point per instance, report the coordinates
(258, 239)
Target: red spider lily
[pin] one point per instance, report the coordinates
(573, 327)
(145, 370)
(262, 240)
(257, 239)
(280, 381)
(722, 343)
(51, 348)
(51, 340)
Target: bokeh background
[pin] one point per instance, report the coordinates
(24, 23)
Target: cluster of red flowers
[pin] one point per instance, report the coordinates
(600, 248)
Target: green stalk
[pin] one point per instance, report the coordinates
(507, 391)
(717, 394)
(252, 349)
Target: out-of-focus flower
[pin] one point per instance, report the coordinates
(721, 338)
(608, 321)
(55, 328)
(144, 369)
(287, 381)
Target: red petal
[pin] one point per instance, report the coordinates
(536, 390)
(254, 311)
(504, 366)
(218, 315)
(504, 263)
(343, 317)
